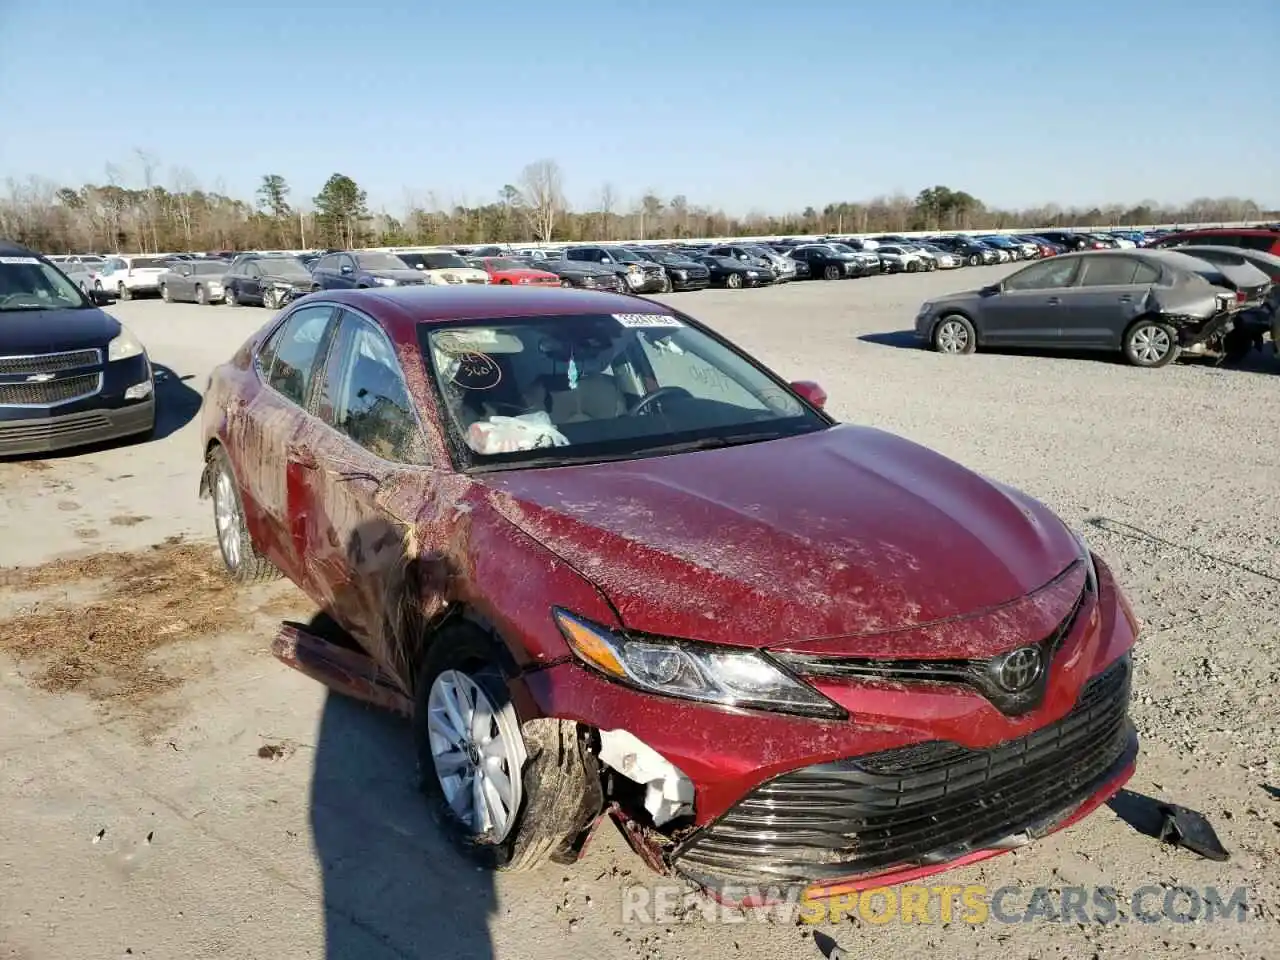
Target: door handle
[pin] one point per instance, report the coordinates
(304, 458)
(1054, 301)
(1126, 298)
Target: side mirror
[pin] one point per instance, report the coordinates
(991, 290)
(811, 392)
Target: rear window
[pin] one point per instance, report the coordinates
(144, 263)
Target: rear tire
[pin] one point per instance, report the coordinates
(241, 558)
(975, 260)
(558, 793)
(831, 272)
(733, 281)
(164, 293)
(123, 292)
(1150, 344)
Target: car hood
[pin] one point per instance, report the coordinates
(842, 533)
(411, 274)
(46, 331)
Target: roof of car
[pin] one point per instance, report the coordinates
(399, 308)
(10, 249)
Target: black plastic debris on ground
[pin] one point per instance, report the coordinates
(1187, 828)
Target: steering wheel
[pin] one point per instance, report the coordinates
(661, 393)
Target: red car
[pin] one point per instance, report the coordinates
(611, 564)
(503, 271)
(1265, 239)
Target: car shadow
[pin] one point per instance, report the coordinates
(903, 339)
(1138, 811)
(177, 403)
(395, 885)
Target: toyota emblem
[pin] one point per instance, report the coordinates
(1018, 670)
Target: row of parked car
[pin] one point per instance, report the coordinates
(272, 278)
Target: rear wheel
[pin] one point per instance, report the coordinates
(1150, 344)
(566, 283)
(975, 260)
(955, 335)
(912, 266)
(241, 558)
(733, 281)
(123, 293)
(514, 795)
(201, 297)
(831, 272)
(164, 293)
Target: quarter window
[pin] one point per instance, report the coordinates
(293, 350)
(365, 396)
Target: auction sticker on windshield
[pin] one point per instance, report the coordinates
(635, 320)
(19, 260)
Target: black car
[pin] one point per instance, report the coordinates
(1067, 239)
(637, 274)
(578, 273)
(827, 262)
(972, 252)
(734, 274)
(265, 281)
(70, 374)
(683, 272)
(352, 271)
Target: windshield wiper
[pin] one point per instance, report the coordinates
(711, 443)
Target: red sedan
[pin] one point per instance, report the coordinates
(503, 271)
(610, 563)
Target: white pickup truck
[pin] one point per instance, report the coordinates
(126, 277)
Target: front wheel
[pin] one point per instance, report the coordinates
(975, 260)
(515, 795)
(1150, 344)
(164, 293)
(733, 281)
(955, 335)
(831, 272)
(201, 297)
(566, 283)
(123, 292)
(271, 299)
(912, 266)
(229, 298)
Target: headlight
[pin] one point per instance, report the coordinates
(124, 346)
(523, 280)
(680, 274)
(693, 671)
(384, 281)
(752, 273)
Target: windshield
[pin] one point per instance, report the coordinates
(569, 389)
(433, 261)
(379, 261)
(626, 256)
(279, 267)
(28, 284)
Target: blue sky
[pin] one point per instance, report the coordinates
(767, 106)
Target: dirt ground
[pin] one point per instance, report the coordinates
(169, 790)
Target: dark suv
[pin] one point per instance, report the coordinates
(1266, 239)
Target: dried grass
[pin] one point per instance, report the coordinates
(138, 602)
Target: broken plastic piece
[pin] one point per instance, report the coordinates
(668, 792)
(529, 431)
(1187, 828)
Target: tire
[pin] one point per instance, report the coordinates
(504, 283)
(556, 792)
(1151, 344)
(269, 298)
(566, 283)
(954, 335)
(733, 281)
(229, 297)
(975, 260)
(666, 284)
(123, 292)
(912, 266)
(241, 558)
(164, 293)
(831, 272)
(202, 298)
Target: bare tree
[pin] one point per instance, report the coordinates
(542, 197)
(184, 187)
(148, 164)
(608, 200)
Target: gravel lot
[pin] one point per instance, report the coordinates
(243, 813)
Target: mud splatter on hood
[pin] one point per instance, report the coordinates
(840, 533)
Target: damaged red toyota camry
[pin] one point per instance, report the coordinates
(611, 564)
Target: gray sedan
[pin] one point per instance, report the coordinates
(1146, 304)
(193, 281)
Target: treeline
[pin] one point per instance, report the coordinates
(180, 214)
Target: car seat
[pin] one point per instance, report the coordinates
(597, 396)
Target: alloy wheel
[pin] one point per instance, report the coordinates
(1150, 344)
(226, 516)
(477, 753)
(952, 337)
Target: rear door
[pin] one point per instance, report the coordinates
(268, 460)
(1108, 292)
(356, 508)
(1027, 312)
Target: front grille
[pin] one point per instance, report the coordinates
(59, 428)
(51, 362)
(50, 392)
(924, 804)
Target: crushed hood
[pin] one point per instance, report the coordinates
(846, 532)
